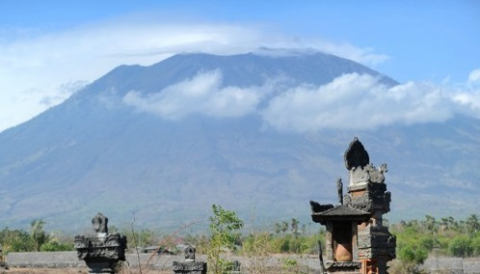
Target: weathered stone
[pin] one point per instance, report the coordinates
(356, 240)
(103, 253)
(190, 266)
(356, 155)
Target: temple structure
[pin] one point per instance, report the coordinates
(356, 239)
(104, 252)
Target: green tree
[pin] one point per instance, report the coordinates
(15, 240)
(37, 234)
(295, 223)
(472, 224)
(224, 233)
(284, 226)
(430, 224)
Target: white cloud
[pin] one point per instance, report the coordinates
(355, 101)
(34, 65)
(474, 76)
(201, 94)
(365, 56)
(351, 101)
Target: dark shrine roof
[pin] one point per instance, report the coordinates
(342, 213)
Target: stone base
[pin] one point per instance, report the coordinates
(343, 267)
(100, 267)
(189, 268)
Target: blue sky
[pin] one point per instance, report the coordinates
(49, 48)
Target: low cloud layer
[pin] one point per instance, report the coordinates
(36, 65)
(202, 94)
(351, 101)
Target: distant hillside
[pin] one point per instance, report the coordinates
(107, 149)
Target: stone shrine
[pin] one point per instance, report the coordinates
(356, 240)
(104, 252)
(190, 266)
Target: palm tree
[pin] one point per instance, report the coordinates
(295, 223)
(37, 234)
(278, 228)
(284, 226)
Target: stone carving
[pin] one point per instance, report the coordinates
(356, 155)
(358, 163)
(100, 223)
(317, 208)
(190, 254)
(377, 175)
(374, 198)
(340, 190)
(355, 227)
(101, 253)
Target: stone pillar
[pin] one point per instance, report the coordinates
(190, 266)
(329, 242)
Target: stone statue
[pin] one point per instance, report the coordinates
(100, 223)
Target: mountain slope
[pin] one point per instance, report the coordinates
(96, 153)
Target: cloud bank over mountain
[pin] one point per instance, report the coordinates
(202, 94)
(351, 101)
(36, 66)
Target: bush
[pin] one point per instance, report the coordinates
(460, 247)
(411, 254)
(56, 246)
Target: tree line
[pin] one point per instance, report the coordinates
(416, 239)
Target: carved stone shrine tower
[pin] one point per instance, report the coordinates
(356, 240)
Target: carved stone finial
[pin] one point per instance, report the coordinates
(190, 253)
(340, 190)
(100, 223)
(356, 155)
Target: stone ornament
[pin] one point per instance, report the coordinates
(100, 223)
(190, 266)
(190, 254)
(104, 252)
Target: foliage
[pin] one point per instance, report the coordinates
(224, 234)
(15, 240)
(57, 246)
(446, 236)
(413, 254)
(37, 239)
(37, 234)
(460, 247)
